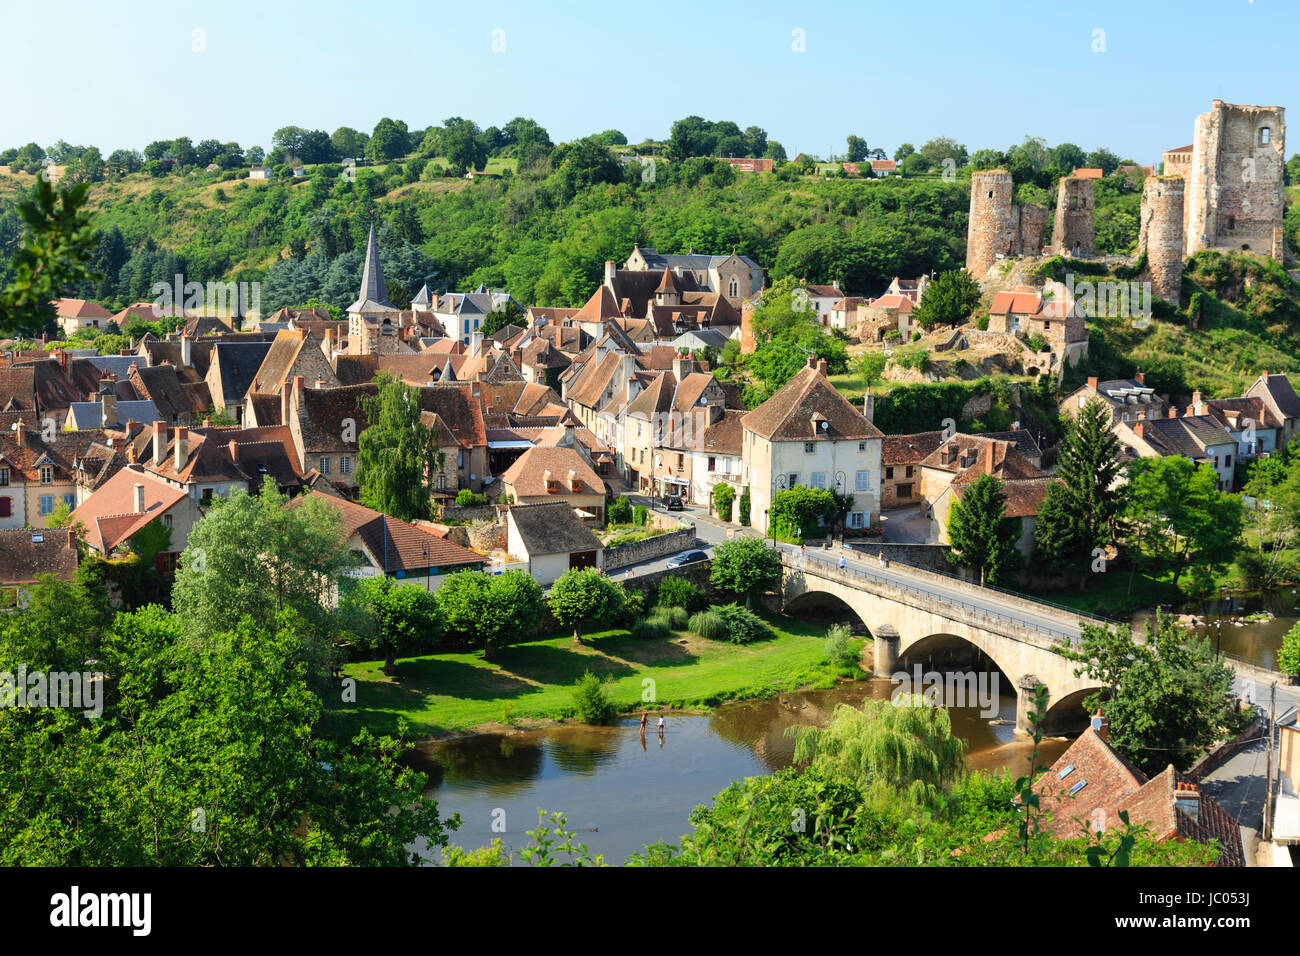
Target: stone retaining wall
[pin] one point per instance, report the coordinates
(931, 557)
(647, 548)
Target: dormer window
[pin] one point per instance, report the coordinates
(47, 474)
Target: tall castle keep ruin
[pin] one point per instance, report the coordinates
(998, 227)
(1234, 186)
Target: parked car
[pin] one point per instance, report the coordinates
(686, 557)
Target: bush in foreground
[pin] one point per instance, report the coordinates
(743, 625)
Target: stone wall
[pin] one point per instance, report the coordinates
(451, 512)
(1031, 229)
(492, 536)
(931, 557)
(1161, 235)
(1072, 229)
(647, 548)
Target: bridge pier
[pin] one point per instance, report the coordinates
(886, 642)
(1026, 687)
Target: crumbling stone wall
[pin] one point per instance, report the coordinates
(1234, 196)
(1161, 235)
(1072, 229)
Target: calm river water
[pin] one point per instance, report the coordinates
(620, 792)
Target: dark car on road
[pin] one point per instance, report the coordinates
(675, 503)
(686, 557)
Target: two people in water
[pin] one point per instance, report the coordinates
(645, 716)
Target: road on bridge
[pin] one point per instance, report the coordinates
(1057, 623)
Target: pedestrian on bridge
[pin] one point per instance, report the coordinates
(841, 562)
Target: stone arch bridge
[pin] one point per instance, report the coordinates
(912, 612)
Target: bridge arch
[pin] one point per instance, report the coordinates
(910, 611)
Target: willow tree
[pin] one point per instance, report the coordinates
(397, 455)
(908, 749)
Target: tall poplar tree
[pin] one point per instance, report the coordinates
(979, 533)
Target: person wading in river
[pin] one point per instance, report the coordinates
(643, 720)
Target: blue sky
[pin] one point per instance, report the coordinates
(125, 73)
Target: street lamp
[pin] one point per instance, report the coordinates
(840, 481)
(425, 553)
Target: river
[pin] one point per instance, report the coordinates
(1253, 641)
(620, 791)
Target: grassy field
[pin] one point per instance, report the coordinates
(443, 693)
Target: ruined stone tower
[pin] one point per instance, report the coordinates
(1072, 229)
(1161, 235)
(997, 226)
(1234, 187)
(990, 219)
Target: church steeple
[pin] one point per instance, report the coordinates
(373, 296)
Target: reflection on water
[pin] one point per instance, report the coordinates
(1256, 641)
(621, 790)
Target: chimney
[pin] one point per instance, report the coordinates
(233, 448)
(109, 404)
(682, 367)
(1092, 383)
(811, 362)
(1101, 725)
(139, 497)
(475, 343)
(1264, 375)
(821, 367)
(63, 358)
(633, 387)
(21, 429)
(1140, 429)
(182, 447)
(159, 441)
(609, 270)
(207, 421)
(1140, 377)
(1173, 411)
(187, 351)
(1187, 799)
(570, 435)
(869, 407)
(1198, 404)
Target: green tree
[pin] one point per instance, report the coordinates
(390, 140)
(251, 556)
(1168, 698)
(591, 700)
(397, 455)
(908, 749)
(980, 534)
(870, 367)
(949, 300)
(1288, 655)
(204, 757)
(51, 260)
(857, 149)
(799, 511)
(723, 495)
(1178, 518)
(401, 619)
(492, 610)
(743, 565)
(584, 596)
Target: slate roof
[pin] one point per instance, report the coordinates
(373, 297)
(1188, 436)
(237, 364)
(552, 528)
(91, 414)
(1283, 394)
(791, 413)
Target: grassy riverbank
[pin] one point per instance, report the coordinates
(533, 682)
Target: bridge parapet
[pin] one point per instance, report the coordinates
(997, 610)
